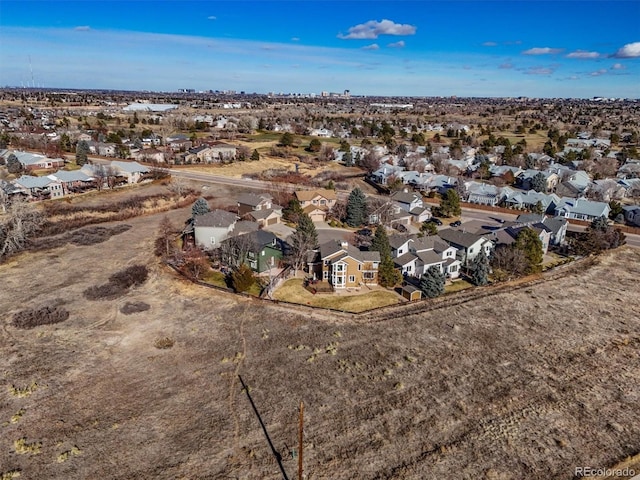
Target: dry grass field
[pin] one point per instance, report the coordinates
(525, 384)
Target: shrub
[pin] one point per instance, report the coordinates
(163, 343)
(118, 283)
(134, 307)
(242, 278)
(31, 318)
(95, 235)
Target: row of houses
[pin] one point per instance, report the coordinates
(64, 182)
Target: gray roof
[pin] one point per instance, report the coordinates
(72, 176)
(583, 207)
(261, 214)
(253, 199)
(215, 218)
(458, 237)
(405, 259)
(405, 197)
(555, 224)
(430, 257)
(129, 167)
(432, 242)
(529, 218)
(333, 246)
(397, 240)
(244, 226)
(28, 181)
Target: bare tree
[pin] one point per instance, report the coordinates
(22, 220)
(382, 208)
(235, 250)
(179, 186)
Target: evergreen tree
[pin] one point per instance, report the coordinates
(65, 143)
(480, 269)
(200, 207)
(242, 278)
(450, 204)
(347, 158)
(308, 230)
(13, 164)
(286, 140)
(305, 238)
(432, 282)
(314, 145)
(388, 276)
(380, 242)
(429, 229)
(255, 156)
(356, 208)
(530, 244)
(292, 211)
(82, 152)
(539, 182)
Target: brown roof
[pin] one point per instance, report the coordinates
(305, 195)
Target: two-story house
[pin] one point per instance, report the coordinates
(411, 202)
(259, 249)
(468, 244)
(416, 255)
(316, 203)
(213, 227)
(259, 207)
(345, 266)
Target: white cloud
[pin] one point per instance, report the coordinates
(630, 50)
(372, 29)
(82, 28)
(583, 54)
(212, 17)
(373, 46)
(597, 73)
(617, 66)
(489, 44)
(540, 71)
(399, 44)
(542, 51)
(295, 39)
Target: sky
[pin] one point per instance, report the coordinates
(480, 48)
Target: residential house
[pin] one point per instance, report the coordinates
(413, 255)
(344, 266)
(525, 179)
(33, 161)
(213, 227)
(531, 199)
(201, 154)
(316, 203)
(132, 171)
(261, 250)
(248, 202)
(482, 193)
(581, 209)
(574, 185)
(411, 202)
(221, 152)
(468, 244)
(39, 187)
(150, 155)
(632, 214)
(72, 181)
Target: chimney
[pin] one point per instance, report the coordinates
(344, 244)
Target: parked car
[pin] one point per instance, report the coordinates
(435, 220)
(457, 223)
(365, 232)
(401, 228)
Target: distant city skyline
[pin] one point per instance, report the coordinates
(579, 49)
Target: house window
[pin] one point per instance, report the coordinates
(359, 266)
(453, 268)
(326, 262)
(251, 255)
(213, 240)
(339, 268)
(352, 278)
(368, 275)
(325, 274)
(323, 202)
(262, 253)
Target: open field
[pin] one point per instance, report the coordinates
(525, 384)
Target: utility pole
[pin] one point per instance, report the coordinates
(300, 437)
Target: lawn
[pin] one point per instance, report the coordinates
(215, 278)
(457, 286)
(293, 291)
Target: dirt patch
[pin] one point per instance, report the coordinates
(528, 383)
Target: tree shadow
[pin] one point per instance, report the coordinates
(276, 454)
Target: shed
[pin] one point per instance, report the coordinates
(411, 293)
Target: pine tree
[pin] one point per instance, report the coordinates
(308, 229)
(286, 140)
(432, 282)
(450, 204)
(292, 211)
(530, 244)
(242, 278)
(13, 164)
(356, 208)
(480, 269)
(539, 182)
(388, 276)
(82, 152)
(380, 243)
(255, 156)
(200, 207)
(305, 238)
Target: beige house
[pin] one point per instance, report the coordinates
(324, 199)
(316, 214)
(344, 266)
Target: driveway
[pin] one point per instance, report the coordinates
(280, 230)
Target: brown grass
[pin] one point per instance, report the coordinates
(293, 291)
(526, 383)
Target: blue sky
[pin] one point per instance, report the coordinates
(414, 48)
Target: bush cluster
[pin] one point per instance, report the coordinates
(134, 307)
(31, 317)
(118, 283)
